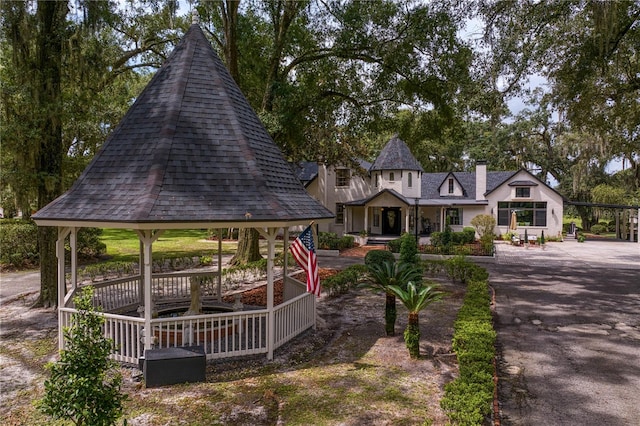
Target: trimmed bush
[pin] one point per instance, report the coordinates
(331, 241)
(395, 245)
(344, 280)
(378, 256)
(598, 229)
(408, 249)
(19, 243)
(468, 399)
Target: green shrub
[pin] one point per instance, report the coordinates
(598, 229)
(344, 280)
(468, 399)
(84, 385)
(88, 244)
(19, 243)
(436, 239)
(331, 241)
(378, 256)
(484, 224)
(408, 249)
(395, 245)
(468, 235)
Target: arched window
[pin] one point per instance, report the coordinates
(410, 180)
(392, 177)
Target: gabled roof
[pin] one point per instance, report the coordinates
(446, 178)
(372, 197)
(189, 150)
(431, 183)
(396, 155)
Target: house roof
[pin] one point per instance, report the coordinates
(372, 197)
(307, 171)
(189, 150)
(431, 183)
(396, 155)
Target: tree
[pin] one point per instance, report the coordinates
(415, 298)
(321, 74)
(84, 385)
(588, 52)
(381, 276)
(67, 81)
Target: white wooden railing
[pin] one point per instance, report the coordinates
(293, 317)
(222, 334)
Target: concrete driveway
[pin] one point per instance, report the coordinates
(568, 333)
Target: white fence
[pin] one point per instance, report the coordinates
(222, 335)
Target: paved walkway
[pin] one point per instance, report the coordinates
(568, 333)
(570, 253)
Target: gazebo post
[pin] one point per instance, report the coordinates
(147, 237)
(270, 235)
(219, 264)
(62, 288)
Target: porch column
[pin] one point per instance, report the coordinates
(366, 218)
(407, 219)
(62, 287)
(270, 235)
(345, 219)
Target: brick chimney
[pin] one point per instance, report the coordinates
(481, 179)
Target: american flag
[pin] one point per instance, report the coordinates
(304, 252)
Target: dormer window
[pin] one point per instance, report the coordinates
(523, 192)
(450, 186)
(377, 180)
(410, 180)
(343, 177)
(392, 177)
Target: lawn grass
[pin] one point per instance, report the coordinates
(123, 245)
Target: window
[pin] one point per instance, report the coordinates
(410, 180)
(527, 214)
(523, 192)
(377, 180)
(455, 216)
(450, 186)
(340, 214)
(342, 177)
(376, 219)
(392, 176)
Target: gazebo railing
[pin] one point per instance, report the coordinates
(223, 335)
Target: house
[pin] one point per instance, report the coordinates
(396, 196)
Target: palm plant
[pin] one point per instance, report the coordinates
(415, 298)
(381, 276)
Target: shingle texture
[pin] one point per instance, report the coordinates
(396, 155)
(431, 183)
(190, 148)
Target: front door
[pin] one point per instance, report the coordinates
(391, 221)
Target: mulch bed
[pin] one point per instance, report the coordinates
(258, 296)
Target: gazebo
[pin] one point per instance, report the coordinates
(189, 154)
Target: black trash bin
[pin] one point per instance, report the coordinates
(169, 366)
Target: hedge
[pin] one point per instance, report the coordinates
(468, 399)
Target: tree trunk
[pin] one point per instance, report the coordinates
(412, 335)
(248, 247)
(51, 19)
(390, 315)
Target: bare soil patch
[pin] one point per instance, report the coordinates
(346, 371)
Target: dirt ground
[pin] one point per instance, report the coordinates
(350, 329)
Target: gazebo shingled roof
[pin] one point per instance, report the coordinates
(189, 150)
